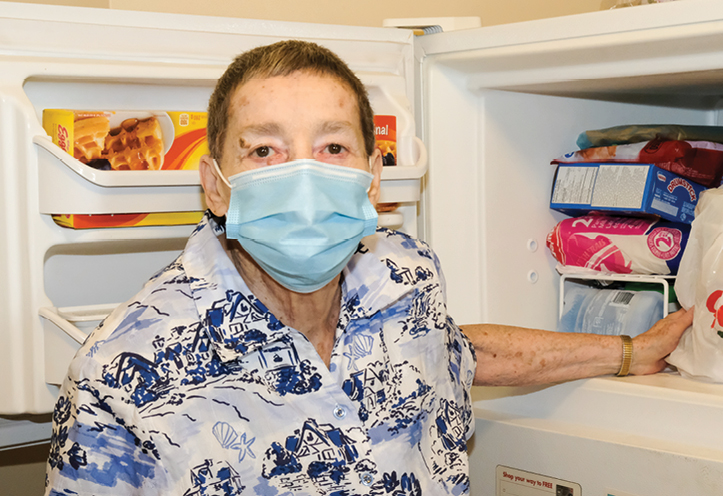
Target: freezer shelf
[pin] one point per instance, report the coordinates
(664, 281)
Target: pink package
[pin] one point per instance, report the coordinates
(622, 245)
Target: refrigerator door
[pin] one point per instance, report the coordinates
(498, 104)
(58, 283)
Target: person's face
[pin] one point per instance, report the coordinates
(276, 120)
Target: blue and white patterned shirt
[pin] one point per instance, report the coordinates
(194, 388)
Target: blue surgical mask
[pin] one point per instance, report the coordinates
(301, 221)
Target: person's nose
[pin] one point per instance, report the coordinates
(301, 150)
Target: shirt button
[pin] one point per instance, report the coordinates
(366, 478)
(339, 412)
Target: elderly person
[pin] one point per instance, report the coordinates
(293, 348)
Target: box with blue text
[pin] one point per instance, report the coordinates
(627, 189)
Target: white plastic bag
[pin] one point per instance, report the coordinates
(700, 282)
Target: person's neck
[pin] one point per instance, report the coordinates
(313, 314)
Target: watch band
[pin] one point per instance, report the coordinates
(627, 356)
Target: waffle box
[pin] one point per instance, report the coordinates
(629, 189)
(129, 140)
(105, 221)
(385, 132)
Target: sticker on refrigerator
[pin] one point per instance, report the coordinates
(385, 130)
(516, 482)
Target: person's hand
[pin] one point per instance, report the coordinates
(651, 347)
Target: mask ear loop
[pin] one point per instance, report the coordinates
(223, 178)
(370, 172)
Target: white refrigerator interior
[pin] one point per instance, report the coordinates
(493, 106)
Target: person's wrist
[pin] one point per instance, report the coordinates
(627, 360)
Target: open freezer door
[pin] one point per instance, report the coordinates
(57, 281)
(498, 104)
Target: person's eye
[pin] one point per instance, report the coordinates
(262, 151)
(335, 148)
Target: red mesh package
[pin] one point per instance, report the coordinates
(698, 161)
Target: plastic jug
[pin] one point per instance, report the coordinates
(610, 311)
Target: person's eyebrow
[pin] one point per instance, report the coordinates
(336, 127)
(264, 129)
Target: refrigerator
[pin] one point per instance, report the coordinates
(480, 113)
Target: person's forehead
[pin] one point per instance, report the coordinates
(296, 86)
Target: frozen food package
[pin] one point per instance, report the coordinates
(621, 135)
(624, 189)
(99, 221)
(610, 312)
(619, 245)
(129, 140)
(698, 161)
(385, 131)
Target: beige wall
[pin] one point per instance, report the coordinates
(367, 13)
(22, 472)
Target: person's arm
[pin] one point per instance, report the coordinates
(515, 356)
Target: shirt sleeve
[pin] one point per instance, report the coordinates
(97, 445)
(462, 366)
(461, 358)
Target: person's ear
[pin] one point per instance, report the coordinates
(217, 193)
(376, 169)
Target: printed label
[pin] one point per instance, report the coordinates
(574, 185)
(682, 183)
(622, 298)
(385, 130)
(620, 186)
(63, 141)
(664, 242)
(516, 482)
(715, 306)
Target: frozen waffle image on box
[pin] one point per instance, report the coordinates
(129, 140)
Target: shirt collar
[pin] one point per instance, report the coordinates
(234, 320)
(369, 284)
(238, 324)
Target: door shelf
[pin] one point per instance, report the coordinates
(67, 186)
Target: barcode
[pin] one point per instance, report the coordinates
(623, 298)
(664, 207)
